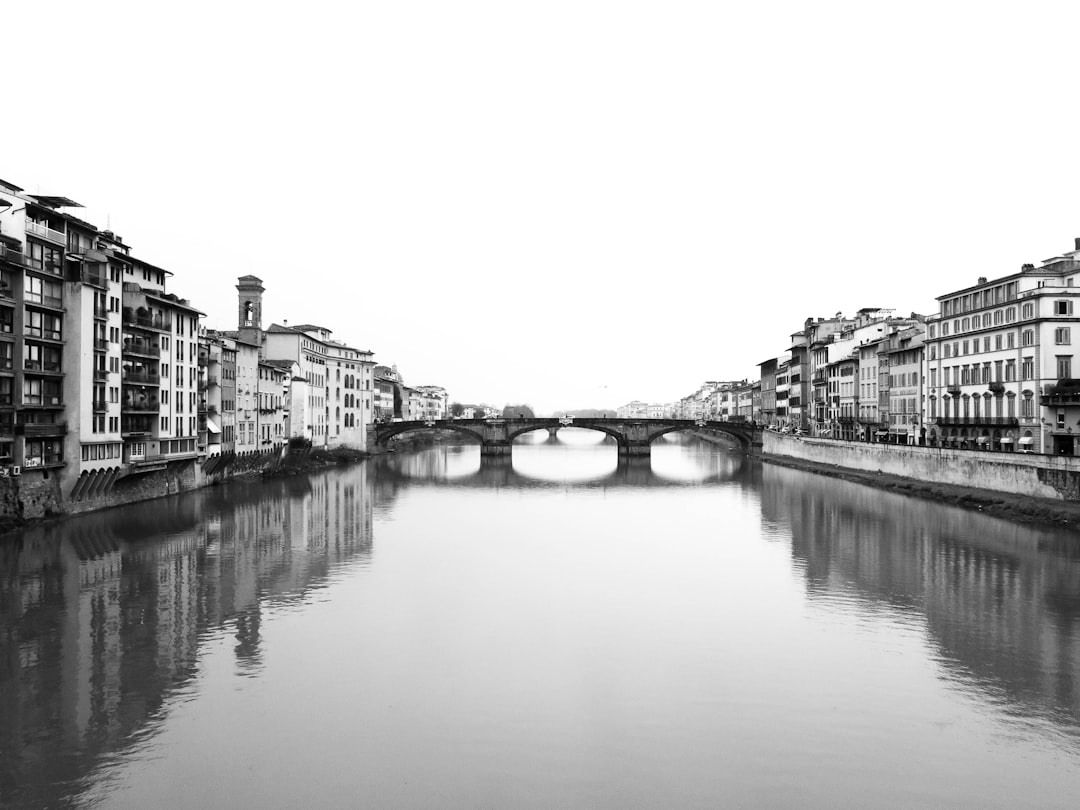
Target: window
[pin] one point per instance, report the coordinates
(1027, 337)
(1027, 312)
(1063, 308)
(1027, 406)
(1010, 371)
(1062, 336)
(1064, 366)
(1010, 340)
(1027, 368)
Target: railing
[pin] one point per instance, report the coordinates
(40, 400)
(101, 375)
(44, 300)
(142, 347)
(101, 344)
(39, 332)
(43, 230)
(14, 256)
(100, 406)
(129, 376)
(101, 312)
(157, 322)
(1008, 421)
(150, 406)
(34, 431)
(1051, 400)
(49, 460)
(212, 379)
(37, 365)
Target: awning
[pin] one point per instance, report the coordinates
(1007, 440)
(882, 433)
(986, 440)
(1027, 440)
(212, 425)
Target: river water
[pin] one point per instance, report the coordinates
(433, 630)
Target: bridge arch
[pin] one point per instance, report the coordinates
(385, 434)
(738, 434)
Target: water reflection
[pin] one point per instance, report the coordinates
(680, 569)
(574, 457)
(102, 617)
(1000, 600)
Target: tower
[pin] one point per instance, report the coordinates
(249, 313)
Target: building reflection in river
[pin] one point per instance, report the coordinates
(102, 616)
(1000, 600)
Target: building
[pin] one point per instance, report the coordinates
(99, 364)
(338, 379)
(1000, 361)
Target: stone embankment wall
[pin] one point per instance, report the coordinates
(1037, 476)
(24, 499)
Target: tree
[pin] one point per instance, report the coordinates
(456, 409)
(513, 411)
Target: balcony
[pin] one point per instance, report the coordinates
(34, 431)
(953, 390)
(101, 313)
(45, 232)
(101, 344)
(39, 367)
(212, 380)
(39, 300)
(141, 347)
(101, 375)
(100, 406)
(145, 377)
(42, 401)
(983, 421)
(143, 406)
(42, 334)
(13, 255)
(47, 460)
(997, 388)
(1065, 392)
(158, 323)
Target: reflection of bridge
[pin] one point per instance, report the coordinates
(499, 471)
(634, 436)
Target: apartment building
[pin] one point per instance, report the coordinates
(1000, 361)
(98, 363)
(906, 383)
(338, 380)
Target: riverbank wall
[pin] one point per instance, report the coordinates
(1017, 486)
(1036, 476)
(30, 498)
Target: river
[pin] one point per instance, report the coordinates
(559, 630)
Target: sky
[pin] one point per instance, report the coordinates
(565, 204)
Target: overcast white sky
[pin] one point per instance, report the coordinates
(570, 204)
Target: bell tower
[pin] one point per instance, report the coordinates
(249, 314)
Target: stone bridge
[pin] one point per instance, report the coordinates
(633, 436)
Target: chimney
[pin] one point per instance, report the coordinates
(982, 280)
(1076, 242)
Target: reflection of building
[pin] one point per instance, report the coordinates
(102, 618)
(1004, 610)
